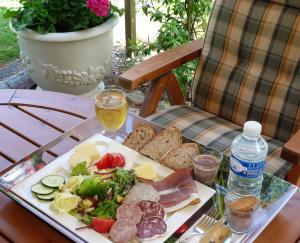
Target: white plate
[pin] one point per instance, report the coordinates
(61, 166)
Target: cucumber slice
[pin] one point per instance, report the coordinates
(41, 189)
(48, 197)
(53, 181)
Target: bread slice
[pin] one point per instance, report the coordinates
(162, 143)
(141, 135)
(181, 156)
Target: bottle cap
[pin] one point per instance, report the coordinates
(252, 128)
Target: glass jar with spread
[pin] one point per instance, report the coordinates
(241, 212)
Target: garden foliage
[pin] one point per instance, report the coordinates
(47, 16)
(180, 21)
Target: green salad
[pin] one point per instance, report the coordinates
(87, 193)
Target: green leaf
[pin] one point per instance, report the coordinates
(80, 169)
(10, 14)
(93, 186)
(106, 209)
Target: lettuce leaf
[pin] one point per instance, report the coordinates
(80, 169)
(106, 209)
(125, 179)
(93, 186)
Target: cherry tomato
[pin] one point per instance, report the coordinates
(102, 225)
(183, 228)
(105, 162)
(119, 159)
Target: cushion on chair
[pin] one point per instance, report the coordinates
(249, 68)
(217, 133)
(291, 3)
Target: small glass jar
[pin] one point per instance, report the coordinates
(241, 212)
(206, 166)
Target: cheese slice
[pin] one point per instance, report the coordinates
(89, 149)
(78, 158)
(146, 171)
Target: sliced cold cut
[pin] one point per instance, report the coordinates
(131, 212)
(123, 231)
(177, 190)
(151, 227)
(151, 208)
(140, 192)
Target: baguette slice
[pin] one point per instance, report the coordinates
(181, 156)
(141, 135)
(162, 143)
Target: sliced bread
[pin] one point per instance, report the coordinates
(141, 135)
(181, 156)
(162, 143)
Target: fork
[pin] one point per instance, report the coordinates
(204, 223)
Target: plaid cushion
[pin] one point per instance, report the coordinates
(291, 3)
(249, 68)
(217, 133)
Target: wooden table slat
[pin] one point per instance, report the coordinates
(6, 95)
(32, 129)
(16, 147)
(55, 118)
(66, 103)
(3, 240)
(4, 163)
(20, 225)
(285, 226)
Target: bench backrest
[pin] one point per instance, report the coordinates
(249, 68)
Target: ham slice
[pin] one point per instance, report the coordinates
(177, 190)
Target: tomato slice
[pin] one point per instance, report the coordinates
(105, 162)
(111, 161)
(119, 160)
(102, 225)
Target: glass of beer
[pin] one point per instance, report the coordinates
(111, 110)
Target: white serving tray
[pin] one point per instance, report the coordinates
(133, 158)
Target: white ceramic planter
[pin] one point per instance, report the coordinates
(71, 62)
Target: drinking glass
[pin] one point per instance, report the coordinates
(206, 166)
(111, 110)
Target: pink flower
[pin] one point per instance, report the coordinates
(99, 7)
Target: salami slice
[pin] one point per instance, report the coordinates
(131, 212)
(151, 208)
(123, 231)
(151, 227)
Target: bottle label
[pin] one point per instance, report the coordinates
(247, 169)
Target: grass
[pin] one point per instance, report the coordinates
(9, 48)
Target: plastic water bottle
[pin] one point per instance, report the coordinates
(247, 161)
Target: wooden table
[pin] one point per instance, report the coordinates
(30, 119)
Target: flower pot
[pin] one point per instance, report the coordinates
(70, 62)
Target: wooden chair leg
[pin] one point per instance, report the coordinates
(153, 95)
(174, 91)
(168, 83)
(294, 175)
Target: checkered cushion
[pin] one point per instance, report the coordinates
(217, 133)
(249, 68)
(291, 3)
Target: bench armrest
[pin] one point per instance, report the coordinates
(160, 64)
(291, 150)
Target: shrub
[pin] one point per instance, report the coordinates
(180, 21)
